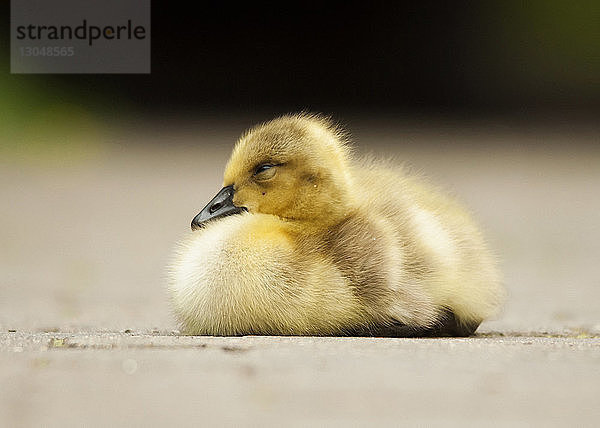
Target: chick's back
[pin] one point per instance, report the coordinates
(442, 248)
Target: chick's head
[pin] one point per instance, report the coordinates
(295, 167)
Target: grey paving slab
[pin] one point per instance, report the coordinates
(87, 339)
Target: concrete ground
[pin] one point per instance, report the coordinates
(86, 337)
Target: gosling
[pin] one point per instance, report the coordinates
(305, 239)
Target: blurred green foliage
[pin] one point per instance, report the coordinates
(42, 124)
(546, 47)
(42, 121)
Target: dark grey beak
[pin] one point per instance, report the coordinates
(220, 206)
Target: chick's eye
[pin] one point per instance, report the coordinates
(262, 168)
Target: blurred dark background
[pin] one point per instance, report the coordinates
(522, 59)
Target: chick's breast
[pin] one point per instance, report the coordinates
(245, 274)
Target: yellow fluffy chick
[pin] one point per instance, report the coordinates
(303, 239)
